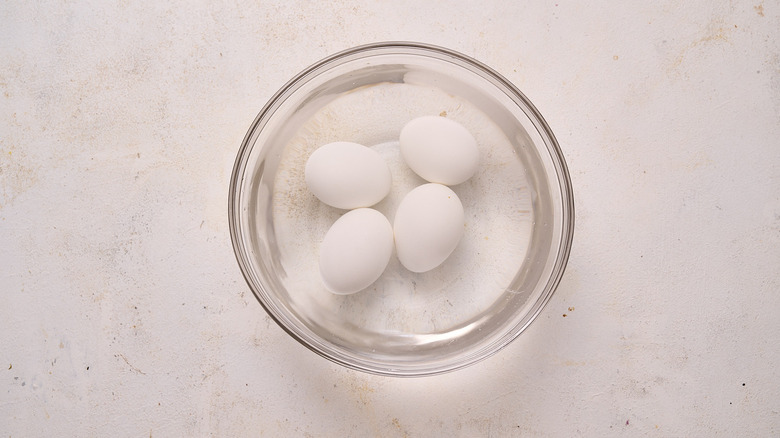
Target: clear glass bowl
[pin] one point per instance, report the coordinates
(519, 211)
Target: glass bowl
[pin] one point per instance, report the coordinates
(519, 211)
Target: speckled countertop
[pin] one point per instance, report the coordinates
(123, 309)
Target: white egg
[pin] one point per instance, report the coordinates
(347, 175)
(355, 251)
(440, 150)
(428, 225)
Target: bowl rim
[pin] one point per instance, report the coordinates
(562, 174)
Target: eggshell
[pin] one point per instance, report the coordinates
(440, 150)
(355, 251)
(347, 175)
(428, 225)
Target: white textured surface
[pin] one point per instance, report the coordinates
(124, 312)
